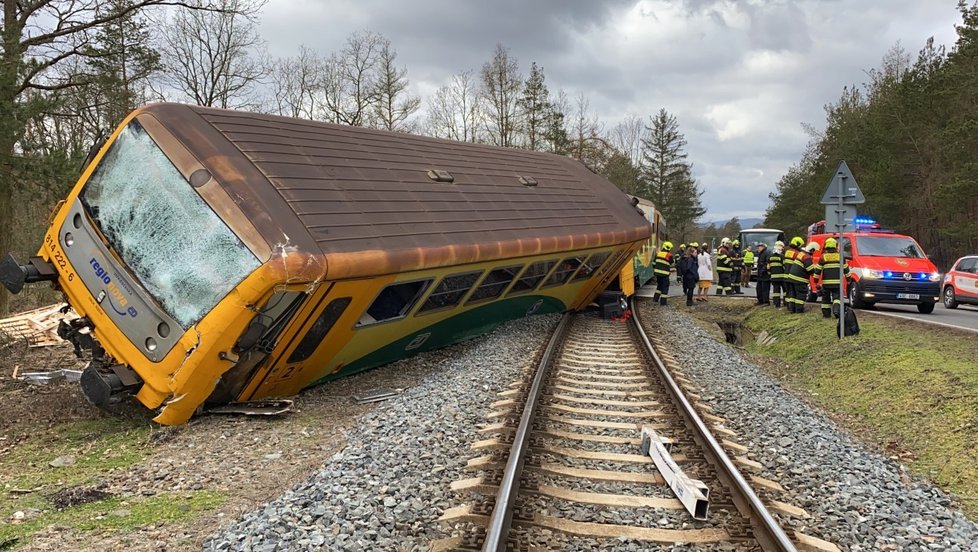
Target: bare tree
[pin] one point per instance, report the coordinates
(297, 85)
(501, 84)
(627, 137)
(455, 111)
(351, 79)
(394, 103)
(588, 146)
(210, 55)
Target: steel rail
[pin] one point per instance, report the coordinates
(767, 531)
(497, 532)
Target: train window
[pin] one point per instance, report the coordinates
(615, 257)
(591, 265)
(319, 329)
(394, 302)
(532, 276)
(563, 272)
(450, 291)
(494, 283)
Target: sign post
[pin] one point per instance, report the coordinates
(842, 193)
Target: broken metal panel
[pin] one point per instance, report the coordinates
(693, 493)
(273, 407)
(376, 395)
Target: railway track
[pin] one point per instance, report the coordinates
(563, 465)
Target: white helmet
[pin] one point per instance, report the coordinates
(812, 247)
(725, 241)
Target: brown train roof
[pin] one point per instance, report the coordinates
(364, 196)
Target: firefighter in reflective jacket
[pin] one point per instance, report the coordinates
(737, 264)
(724, 268)
(798, 267)
(827, 271)
(775, 265)
(663, 264)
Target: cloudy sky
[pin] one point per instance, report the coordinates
(740, 75)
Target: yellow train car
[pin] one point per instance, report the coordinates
(217, 256)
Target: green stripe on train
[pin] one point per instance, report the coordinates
(464, 326)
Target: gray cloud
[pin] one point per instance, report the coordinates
(740, 75)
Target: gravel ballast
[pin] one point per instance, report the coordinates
(858, 499)
(386, 490)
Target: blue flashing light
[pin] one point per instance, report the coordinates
(863, 220)
(887, 274)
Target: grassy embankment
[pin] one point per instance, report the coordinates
(910, 388)
(29, 484)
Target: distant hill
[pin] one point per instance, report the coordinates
(744, 223)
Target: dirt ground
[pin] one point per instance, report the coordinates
(244, 461)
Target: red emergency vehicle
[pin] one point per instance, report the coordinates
(961, 283)
(886, 267)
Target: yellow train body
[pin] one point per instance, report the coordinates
(305, 313)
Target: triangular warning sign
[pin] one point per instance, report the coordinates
(843, 184)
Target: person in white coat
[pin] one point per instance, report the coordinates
(705, 270)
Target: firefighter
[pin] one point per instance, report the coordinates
(737, 264)
(827, 273)
(763, 275)
(798, 267)
(775, 266)
(724, 268)
(748, 267)
(663, 264)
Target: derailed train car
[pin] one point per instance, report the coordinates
(218, 256)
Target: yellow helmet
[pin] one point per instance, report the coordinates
(797, 241)
(694, 244)
(830, 243)
(667, 246)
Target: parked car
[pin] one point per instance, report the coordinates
(961, 283)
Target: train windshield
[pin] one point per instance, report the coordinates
(167, 236)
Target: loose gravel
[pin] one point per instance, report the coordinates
(858, 499)
(386, 490)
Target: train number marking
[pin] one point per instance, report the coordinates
(417, 341)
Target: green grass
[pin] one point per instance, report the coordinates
(911, 388)
(99, 447)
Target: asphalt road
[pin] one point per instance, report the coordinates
(964, 317)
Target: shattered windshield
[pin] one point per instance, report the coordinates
(177, 247)
(879, 246)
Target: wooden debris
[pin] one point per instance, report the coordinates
(38, 327)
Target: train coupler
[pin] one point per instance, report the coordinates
(107, 385)
(14, 275)
(78, 332)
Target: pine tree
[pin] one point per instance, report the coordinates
(667, 176)
(535, 108)
(122, 61)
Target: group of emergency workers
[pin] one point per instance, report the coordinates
(781, 273)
